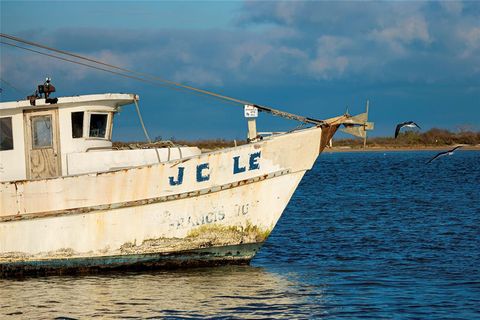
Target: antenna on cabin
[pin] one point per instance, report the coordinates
(44, 89)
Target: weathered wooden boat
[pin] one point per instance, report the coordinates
(70, 202)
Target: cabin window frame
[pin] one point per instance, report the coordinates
(37, 146)
(83, 123)
(12, 147)
(108, 127)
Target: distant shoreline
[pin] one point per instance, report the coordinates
(383, 149)
(210, 145)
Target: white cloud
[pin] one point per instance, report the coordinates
(329, 61)
(248, 54)
(403, 33)
(471, 40)
(292, 52)
(374, 41)
(287, 10)
(452, 7)
(197, 76)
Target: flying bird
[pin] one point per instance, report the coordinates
(444, 153)
(409, 124)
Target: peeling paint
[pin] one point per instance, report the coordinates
(237, 234)
(21, 256)
(202, 237)
(14, 256)
(212, 256)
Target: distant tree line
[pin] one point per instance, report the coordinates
(204, 144)
(430, 138)
(210, 143)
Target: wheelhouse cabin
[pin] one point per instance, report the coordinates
(69, 136)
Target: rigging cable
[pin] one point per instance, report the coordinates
(86, 65)
(168, 82)
(153, 79)
(11, 86)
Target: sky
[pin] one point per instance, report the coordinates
(412, 60)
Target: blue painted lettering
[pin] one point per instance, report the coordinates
(236, 165)
(253, 163)
(179, 180)
(200, 176)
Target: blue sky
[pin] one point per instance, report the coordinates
(413, 60)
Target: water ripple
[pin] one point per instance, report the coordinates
(366, 235)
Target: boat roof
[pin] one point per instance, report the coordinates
(115, 99)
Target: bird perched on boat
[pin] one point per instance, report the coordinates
(409, 124)
(444, 153)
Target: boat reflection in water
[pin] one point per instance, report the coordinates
(224, 291)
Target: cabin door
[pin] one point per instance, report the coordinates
(42, 144)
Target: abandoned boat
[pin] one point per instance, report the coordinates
(70, 202)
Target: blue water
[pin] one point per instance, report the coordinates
(382, 235)
(366, 235)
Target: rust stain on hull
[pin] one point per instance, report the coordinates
(327, 134)
(201, 237)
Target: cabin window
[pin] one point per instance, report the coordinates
(98, 125)
(77, 124)
(6, 134)
(42, 133)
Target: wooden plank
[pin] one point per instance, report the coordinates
(42, 162)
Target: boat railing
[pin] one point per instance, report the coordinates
(270, 133)
(100, 148)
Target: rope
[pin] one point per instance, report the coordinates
(141, 121)
(171, 144)
(145, 129)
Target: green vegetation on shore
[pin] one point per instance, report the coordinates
(409, 139)
(204, 144)
(413, 139)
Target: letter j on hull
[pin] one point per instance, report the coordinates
(179, 179)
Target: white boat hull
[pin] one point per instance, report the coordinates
(213, 208)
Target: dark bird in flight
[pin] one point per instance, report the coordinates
(444, 153)
(409, 124)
